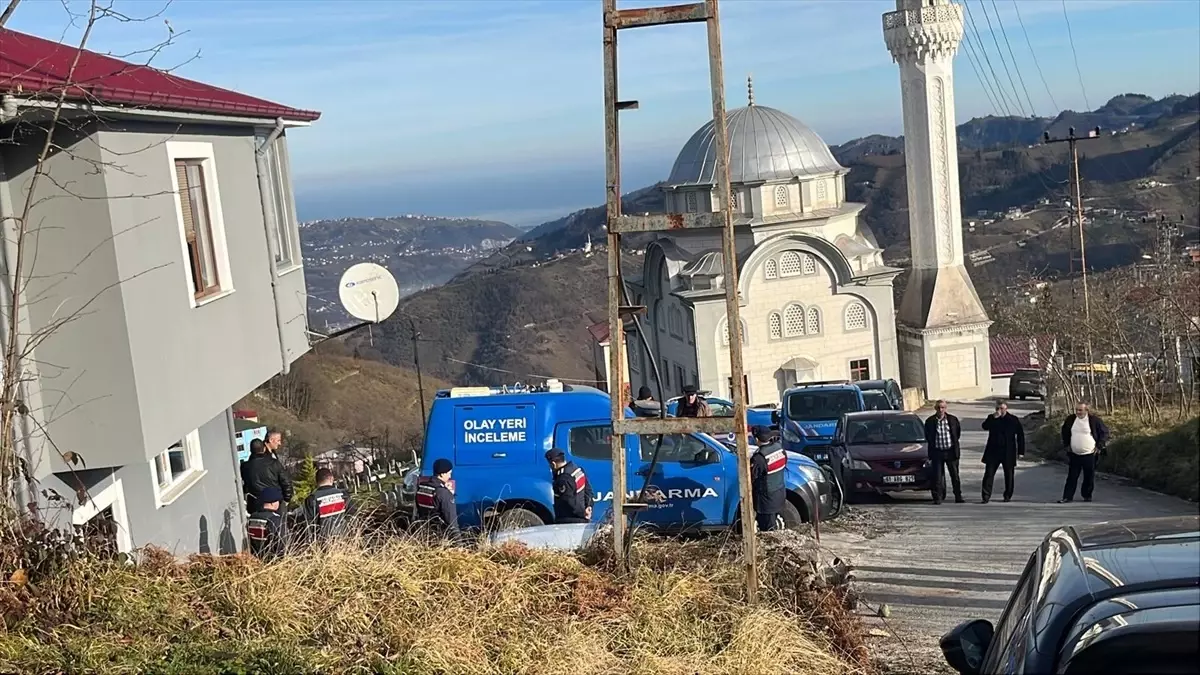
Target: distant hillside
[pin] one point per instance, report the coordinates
(421, 251)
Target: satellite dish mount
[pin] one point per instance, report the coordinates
(369, 293)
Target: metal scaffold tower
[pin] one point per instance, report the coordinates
(620, 309)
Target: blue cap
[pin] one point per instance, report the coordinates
(271, 494)
(441, 466)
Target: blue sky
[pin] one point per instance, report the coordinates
(493, 107)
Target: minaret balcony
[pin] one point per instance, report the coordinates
(920, 33)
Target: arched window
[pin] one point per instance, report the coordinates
(812, 325)
(856, 316)
(771, 269)
(775, 325)
(733, 202)
(781, 196)
(810, 265)
(793, 320)
(691, 202)
(676, 322)
(725, 332)
(789, 264)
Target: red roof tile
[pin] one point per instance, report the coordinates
(32, 65)
(599, 332)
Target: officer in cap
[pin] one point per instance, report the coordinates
(573, 496)
(766, 479)
(266, 528)
(327, 509)
(435, 501)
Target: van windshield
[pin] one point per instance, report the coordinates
(821, 405)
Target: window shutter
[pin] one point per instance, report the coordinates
(185, 200)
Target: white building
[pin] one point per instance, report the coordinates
(816, 297)
(943, 327)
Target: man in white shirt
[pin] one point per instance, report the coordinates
(1084, 436)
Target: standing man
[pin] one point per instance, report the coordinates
(645, 405)
(1084, 436)
(942, 431)
(435, 501)
(274, 443)
(573, 497)
(327, 509)
(766, 479)
(1005, 442)
(263, 471)
(266, 528)
(691, 405)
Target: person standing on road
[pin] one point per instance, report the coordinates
(572, 492)
(1084, 436)
(942, 431)
(327, 509)
(766, 479)
(1005, 442)
(263, 471)
(691, 405)
(435, 501)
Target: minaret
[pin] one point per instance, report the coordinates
(942, 325)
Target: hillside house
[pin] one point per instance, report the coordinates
(167, 284)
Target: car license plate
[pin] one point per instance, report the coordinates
(821, 458)
(899, 479)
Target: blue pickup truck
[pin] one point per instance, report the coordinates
(497, 439)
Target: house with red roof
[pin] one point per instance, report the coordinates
(1010, 354)
(151, 244)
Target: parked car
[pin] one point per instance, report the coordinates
(1117, 598)
(890, 389)
(886, 451)
(1025, 382)
(723, 407)
(875, 399)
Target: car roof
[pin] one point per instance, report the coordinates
(1122, 553)
(1121, 532)
(880, 414)
(871, 384)
(817, 388)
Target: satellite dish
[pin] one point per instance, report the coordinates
(369, 292)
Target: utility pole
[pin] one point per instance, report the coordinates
(1073, 140)
(416, 340)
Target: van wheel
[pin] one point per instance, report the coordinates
(790, 515)
(517, 518)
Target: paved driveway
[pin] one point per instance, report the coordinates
(936, 565)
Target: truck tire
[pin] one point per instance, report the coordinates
(517, 518)
(790, 515)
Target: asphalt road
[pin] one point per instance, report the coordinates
(935, 566)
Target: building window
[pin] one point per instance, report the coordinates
(675, 322)
(177, 468)
(634, 350)
(680, 375)
(793, 321)
(812, 325)
(809, 264)
(591, 442)
(821, 191)
(691, 329)
(690, 199)
(733, 202)
(856, 316)
(725, 332)
(775, 325)
(789, 264)
(781, 196)
(201, 226)
(860, 369)
(283, 213)
(666, 375)
(771, 269)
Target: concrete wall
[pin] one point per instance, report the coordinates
(956, 363)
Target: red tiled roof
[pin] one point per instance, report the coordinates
(599, 331)
(1009, 354)
(32, 65)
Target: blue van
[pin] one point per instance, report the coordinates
(497, 439)
(809, 414)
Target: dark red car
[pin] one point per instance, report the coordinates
(886, 451)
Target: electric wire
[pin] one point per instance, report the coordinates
(1033, 54)
(987, 88)
(972, 30)
(1075, 56)
(1011, 55)
(1003, 61)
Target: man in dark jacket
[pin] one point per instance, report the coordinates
(942, 431)
(263, 471)
(327, 509)
(1005, 442)
(1084, 437)
(266, 528)
(435, 501)
(766, 479)
(691, 405)
(573, 496)
(645, 405)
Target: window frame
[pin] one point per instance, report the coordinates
(771, 269)
(287, 234)
(724, 332)
(846, 327)
(803, 320)
(646, 448)
(809, 313)
(799, 264)
(785, 202)
(571, 442)
(772, 333)
(691, 202)
(165, 495)
(866, 370)
(112, 496)
(190, 151)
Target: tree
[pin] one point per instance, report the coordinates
(305, 480)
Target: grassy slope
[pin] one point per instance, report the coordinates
(402, 607)
(1159, 457)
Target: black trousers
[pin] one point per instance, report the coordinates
(940, 466)
(1076, 464)
(766, 521)
(989, 475)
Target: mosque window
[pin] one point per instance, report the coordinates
(813, 321)
(775, 325)
(793, 320)
(821, 191)
(781, 196)
(789, 264)
(856, 316)
(691, 202)
(772, 269)
(810, 265)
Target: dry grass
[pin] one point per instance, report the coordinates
(399, 606)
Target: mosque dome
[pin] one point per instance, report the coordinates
(765, 144)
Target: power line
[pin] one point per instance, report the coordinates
(1016, 66)
(1075, 56)
(1003, 61)
(1035, 59)
(987, 86)
(988, 60)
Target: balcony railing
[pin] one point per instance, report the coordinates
(913, 17)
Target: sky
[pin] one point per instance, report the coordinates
(493, 108)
